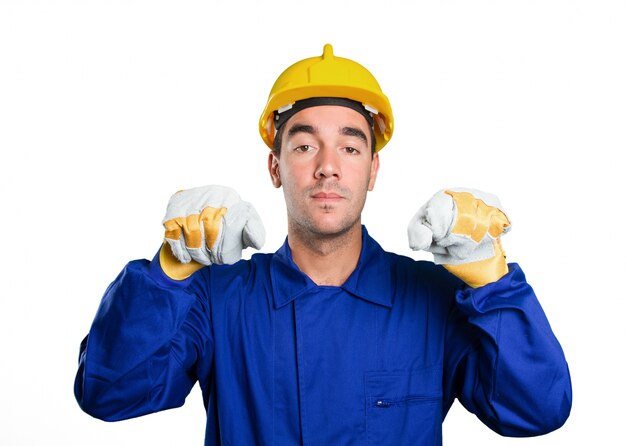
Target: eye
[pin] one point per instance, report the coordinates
(303, 148)
(351, 150)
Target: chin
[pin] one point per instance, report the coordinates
(333, 228)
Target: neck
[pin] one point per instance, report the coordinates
(326, 259)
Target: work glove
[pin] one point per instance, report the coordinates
(462, 228)
(207, 225)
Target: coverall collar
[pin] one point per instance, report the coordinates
(371, 275)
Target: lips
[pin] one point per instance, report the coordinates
(326, 196)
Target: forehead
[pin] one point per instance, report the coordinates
(329, 118)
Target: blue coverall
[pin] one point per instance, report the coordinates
(283, 361)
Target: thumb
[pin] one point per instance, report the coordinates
(253, 231)
(420, 235)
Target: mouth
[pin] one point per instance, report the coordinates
(326, 197)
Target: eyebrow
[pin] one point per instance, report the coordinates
(305, 128)
(353, 131)
(301, 128)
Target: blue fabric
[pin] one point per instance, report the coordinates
(282, 361)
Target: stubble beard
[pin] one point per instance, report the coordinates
(314, 232)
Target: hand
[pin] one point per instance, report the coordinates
(462, 228)
(207, 225)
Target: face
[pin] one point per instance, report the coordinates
(326, 168)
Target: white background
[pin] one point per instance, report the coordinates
(108, 107)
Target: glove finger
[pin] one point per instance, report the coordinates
(420, 235)
(253, 231)
(233, 241)
(229, 257)
(209, 224)
(243, 228)
(499, 224)
(173, 228)
(432, 222)
(437, 249)
(466, 252)
(179, 250)
(175, 238)
(462, 248)
(439, 215)
(477, 214)
(193, 231)
(211, 219)
(200, 255)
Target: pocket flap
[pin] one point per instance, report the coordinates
(404, 384)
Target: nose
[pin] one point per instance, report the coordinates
(328, 165)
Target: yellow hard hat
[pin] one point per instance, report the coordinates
(328, 76)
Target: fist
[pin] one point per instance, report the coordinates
(463, 227)
(211, 225)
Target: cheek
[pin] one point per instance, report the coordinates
(293, 174)
(289, 179)
(361, 177)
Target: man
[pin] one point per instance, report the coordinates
(330, 340)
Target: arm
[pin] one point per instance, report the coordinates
(151, 337)
(502, 360)
(512, 374)
(149, 342)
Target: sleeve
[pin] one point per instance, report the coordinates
(149, 343)
(504, 363)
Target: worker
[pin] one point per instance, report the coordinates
(330, 340)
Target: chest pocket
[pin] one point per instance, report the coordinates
(403, 407)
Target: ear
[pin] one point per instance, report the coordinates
(373, 172)
(273, 162)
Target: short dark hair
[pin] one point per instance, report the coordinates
(278, 140)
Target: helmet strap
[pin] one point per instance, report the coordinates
(283, 114)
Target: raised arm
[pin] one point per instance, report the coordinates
(503, 361)
(151, 338)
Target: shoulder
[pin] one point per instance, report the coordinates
(232, 279)
(418, 287)
(243, 270)
(406, 271)
(422, 273)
